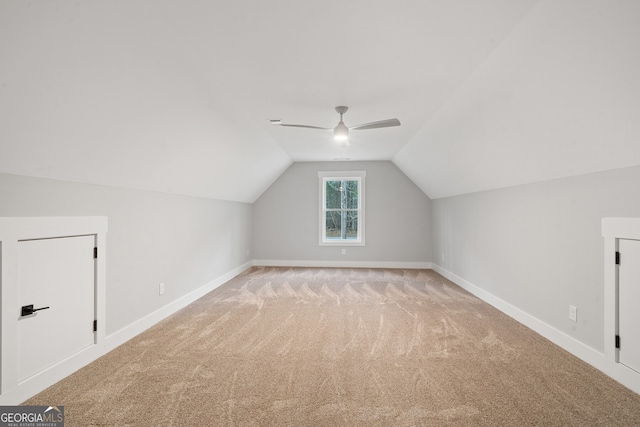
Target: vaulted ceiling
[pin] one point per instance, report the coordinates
(176, 96)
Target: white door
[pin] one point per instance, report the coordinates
(629, 300)
(59, 274)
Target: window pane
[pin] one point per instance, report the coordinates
(351, 194)
(352, 226)
(333, 230)
(333, 194)
(342, 225)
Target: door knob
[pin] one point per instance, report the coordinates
(28, 310)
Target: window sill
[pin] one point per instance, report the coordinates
(341, 243)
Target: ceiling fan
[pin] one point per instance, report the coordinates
(341, 131)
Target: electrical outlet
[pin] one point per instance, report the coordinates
(247, 252)
(344, 252)
(161, 289)
(573, 313)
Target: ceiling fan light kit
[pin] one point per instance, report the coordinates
(341, 131)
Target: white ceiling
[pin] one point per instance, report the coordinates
(176, 96)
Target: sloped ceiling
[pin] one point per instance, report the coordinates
(176, 96)
(559, 97)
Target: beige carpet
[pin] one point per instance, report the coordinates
(340, 347)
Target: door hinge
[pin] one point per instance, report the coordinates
(617, 258)
(617, 341)
(95, 326)
(95, 253)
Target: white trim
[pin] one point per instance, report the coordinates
(12, 231)
(26, 228)
(620, 373)
(68, 366)
(341, 264)
(341, 175)
(628, 228)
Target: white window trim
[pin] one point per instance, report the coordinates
(347, 175)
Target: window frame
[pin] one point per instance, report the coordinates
(325, 176)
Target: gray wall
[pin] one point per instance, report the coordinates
(182, 241)
(538, 246)
(397, 215)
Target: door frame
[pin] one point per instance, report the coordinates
(614, 229)
(13, 230)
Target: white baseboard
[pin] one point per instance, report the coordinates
(50, 376)
(341, 264)
(66, 367)
(625, 376)
(141, 325)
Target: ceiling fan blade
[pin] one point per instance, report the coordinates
(379, 124)
(303, 126)
(279, 123)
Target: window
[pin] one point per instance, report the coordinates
(341, 208)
